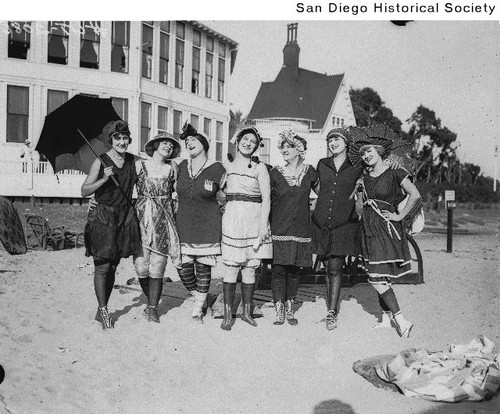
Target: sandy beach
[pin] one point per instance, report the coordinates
(57, 359)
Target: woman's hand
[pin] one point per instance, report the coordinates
(108, 172)
(209, 185)
(263, 235)
(92, 204)
(391, 216)
(393, 163)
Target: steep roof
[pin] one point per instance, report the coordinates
(299, 94)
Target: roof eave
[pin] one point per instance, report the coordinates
(212, 32)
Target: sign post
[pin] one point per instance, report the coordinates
(449, 199)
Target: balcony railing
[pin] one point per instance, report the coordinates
(39, 168)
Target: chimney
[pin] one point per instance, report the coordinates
(291, 50)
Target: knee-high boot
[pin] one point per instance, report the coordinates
(246, 298)
(228, 290)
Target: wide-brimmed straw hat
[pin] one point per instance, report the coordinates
(380, 135)
(163, 136)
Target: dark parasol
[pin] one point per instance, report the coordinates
(74, 135)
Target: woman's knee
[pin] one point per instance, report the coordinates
(248, 275)
(278, 272)
(141, 266)
(335, 265)
(157, 266)
(231, 273)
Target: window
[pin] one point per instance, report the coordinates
(162, 119)
(195, 121)
(145, 123)
(210, 45)
(179, 55)
(222, 50)
(19, 39)
(180, 30)
(147, 50)
(222, 72)
(195, 78)
(164, 56)
(177, 124)
(58, 42)
(221, 79)
(90, 33)
(342, 122)
(219, 138)
(165, 26)
(17, 113)
(120, 45)
(55, 99)
(121, 107)
(265, 151)
(207, 124)
(209, 67)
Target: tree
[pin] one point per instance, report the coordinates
(369, 109)
(432, 143)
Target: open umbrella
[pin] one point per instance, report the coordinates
(399, 149)
(65, 131)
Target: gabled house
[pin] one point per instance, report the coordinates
(308, 102)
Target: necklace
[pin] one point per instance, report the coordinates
(199, 170)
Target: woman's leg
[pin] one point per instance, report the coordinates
(388, 296)
(141, 265)
(203, 278)
(278, 286)
(292, 287)
(385, 321)
(187, 275)
(104, 279)
(247, 289)
(157, 266)
(333, 266)
(229, 288)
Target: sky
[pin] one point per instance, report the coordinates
(450, 67)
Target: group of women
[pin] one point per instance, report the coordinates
(247, 211)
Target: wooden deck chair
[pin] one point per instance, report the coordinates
(45, 235)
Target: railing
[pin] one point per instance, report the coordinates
(294, 124)
(40, 167)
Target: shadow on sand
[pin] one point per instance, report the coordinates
(168, 301)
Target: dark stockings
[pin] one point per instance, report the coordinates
(155, 288)
(285, 282)
(334, 266)
(144, 282)
(390, 300)
(104, 279)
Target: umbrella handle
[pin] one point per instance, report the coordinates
(98, 157)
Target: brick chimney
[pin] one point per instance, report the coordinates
(291, 51)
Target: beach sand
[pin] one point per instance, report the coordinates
(57, 359)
